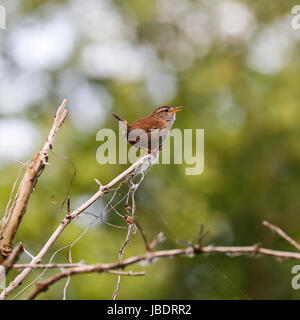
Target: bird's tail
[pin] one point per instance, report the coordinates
(123, 124)
(117, 117)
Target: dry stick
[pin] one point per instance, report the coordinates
(14, 256)
(234, 251)
(130, 273)
(152, 256)
(63, 266)
(69, 277)
(132, 190)
(156, 240)
(86, 230)
(112, 207)
(71, 246)
(282, 234)
(121, 252)
(143, 234)
(40, 275)
(43, 286)
(6, 215)
(13, 217)
(65, 222)
(48, 266)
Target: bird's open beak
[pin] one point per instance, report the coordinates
(177, 109)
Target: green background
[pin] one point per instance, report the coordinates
(250, 114)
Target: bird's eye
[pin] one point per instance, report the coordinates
(166, 110)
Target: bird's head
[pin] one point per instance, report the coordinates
(166, 113)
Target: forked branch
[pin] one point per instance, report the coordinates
(13, 216)
(67, 220)
(152, 256)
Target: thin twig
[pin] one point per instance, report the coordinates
(132, 191)
(153, 256)
(41, 274)
(124, 273)
(13, 217)
(282, 234)
(48, 266)
(6, 216)
(156, 240)
(66, 221)
(14, 256)
(143, 234)
(114, 296)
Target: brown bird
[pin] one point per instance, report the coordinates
(148, 133)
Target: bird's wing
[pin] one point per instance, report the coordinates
(149, 139)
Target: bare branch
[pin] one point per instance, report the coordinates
(114, 296)
(156, 240)
(14, 256)
(11, 193)
(65, 222)
(282, 234)
(43, 286)
(46, 266)
(153, 256)
(130, 220)
(146, 242)
(130, 273)
(13, 217)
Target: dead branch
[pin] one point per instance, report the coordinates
(10, 222)
(46, 266)
(282, 234)
(131, 226)
(156, 240)
(43, 286)
(143, 234)
(121, 252)
(14, 256)
(154, 256)
(13, 216)
(66, 221)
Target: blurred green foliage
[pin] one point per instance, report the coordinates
(252, 167)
